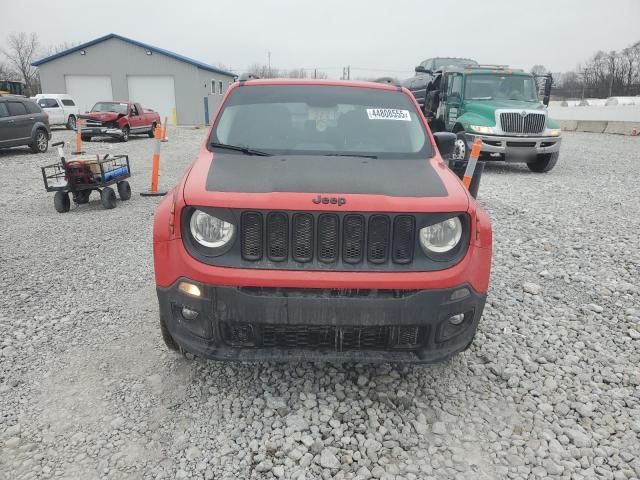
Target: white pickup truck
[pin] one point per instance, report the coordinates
(60, 107)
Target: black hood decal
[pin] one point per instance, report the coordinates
(317, 174)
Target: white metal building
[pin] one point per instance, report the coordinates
(113, 67)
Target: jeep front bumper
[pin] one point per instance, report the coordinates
(297, 324)
(516, 148)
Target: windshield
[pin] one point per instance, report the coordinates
(110, 107)
(503, 87)
(322, 120)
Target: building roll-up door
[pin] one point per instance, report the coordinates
(86, 90)
(155, 92)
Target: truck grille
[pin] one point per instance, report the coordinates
(514, 122)
(92, 123)
(322, 337)
(327, 237)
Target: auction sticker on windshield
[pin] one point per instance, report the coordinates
(388, 114)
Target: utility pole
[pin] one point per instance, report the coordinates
(315, 73)
(349, 72)
(269, 63)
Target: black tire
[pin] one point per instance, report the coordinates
(40, 142)
(544, 162)
(61, 202)
(126, 131)
(124, 190)
(71, 122)
(85, 138)
(152, 132)
(108, 198)
(82, 197)
(461, 150)
(167, 338)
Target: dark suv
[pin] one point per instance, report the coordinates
(22, 122)
(425, 73)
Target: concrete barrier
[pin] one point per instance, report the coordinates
(591, 126)
(568, 125)
(622, 128)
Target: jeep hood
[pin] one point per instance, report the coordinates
(292, 181)
(487, 108)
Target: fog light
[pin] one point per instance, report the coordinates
(460, 293)
(189, 289)
(456, 319)
(189, 314)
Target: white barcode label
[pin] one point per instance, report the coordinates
(388, 114)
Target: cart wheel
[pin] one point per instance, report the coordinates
(61, 201)
(124, 190)
(108, 198)
(82, 196)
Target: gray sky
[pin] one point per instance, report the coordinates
(385, 37)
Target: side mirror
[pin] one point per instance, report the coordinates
(421, 69)
(446, 143)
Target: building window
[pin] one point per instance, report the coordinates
(220, 87)
(213, 86)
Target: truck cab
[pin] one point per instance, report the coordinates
(501, 107)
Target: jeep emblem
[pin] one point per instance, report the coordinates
(329, 200)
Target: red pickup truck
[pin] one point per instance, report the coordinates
(118, 120)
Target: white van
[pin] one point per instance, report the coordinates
(60, 107)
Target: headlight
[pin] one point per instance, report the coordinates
(210, 231)
(481, 129)
(441, 237)
(553, 132)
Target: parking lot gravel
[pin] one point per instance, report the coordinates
(549, 390)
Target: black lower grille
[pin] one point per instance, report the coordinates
(323, 337)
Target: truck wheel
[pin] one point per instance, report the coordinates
(544, 162)
(108, 198)
(124, 190)
(61, 202)
(40, 142)
(82, 197)
(125, 134)
(71, 123)
(461, 149)
(86, 138)
(152, 132)
(166, 336)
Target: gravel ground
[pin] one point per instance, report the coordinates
(550, 388)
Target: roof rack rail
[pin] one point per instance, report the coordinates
(490, 65)
(248, 76)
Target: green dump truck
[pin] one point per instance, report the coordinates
(499, 105)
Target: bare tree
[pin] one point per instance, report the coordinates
(538, 70)
(61, 47)
(22, 49)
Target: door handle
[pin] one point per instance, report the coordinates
(31, 118)
(12, 121)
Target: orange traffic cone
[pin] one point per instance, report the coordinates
(155, 168)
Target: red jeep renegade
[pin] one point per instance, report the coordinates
(319, 222)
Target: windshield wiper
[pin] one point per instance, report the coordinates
(236, 148)
(349, 155)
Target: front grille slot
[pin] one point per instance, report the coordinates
(302, 237)
(277, 236)
(404, 232)
(353, 241)
(251, 236)
(514, 122)
(378, 239)
(323, 337)
(328, 237)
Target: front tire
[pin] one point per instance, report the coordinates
(152, 132)
(108, 198)
(125, 134)
(461, 149)
(124, 190)
(61, 202)
(40, 142)
(85, 138)
(71, 123)
(544, 162)
(166, 336)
